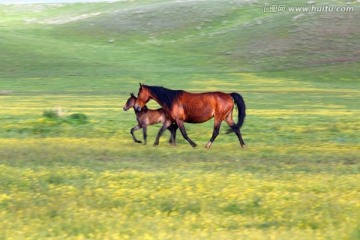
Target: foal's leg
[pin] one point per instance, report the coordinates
(144, 127)
(236, 129)
(161, 131)
(133, 135)
(217, 124)
(183, 132)
(171, 130)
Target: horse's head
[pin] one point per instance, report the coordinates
(143, 97)
(130, 102)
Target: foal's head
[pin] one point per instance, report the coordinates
(143, 97)
(130, 102)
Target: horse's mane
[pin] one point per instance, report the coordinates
(166, 97)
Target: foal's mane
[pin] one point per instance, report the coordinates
(166, 97)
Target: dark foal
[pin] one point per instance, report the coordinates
(146, 117)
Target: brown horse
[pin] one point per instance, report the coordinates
(182, 106)
(147, 117)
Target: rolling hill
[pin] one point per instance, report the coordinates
(140, 39)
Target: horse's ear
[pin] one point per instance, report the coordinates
(132, 95)
(140, 84)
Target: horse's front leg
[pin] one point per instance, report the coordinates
(173, 128)
(161, 131)
(183, 132)
(133, 135)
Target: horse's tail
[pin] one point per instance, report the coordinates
(240, 103)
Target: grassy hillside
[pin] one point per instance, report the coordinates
(69, 178)
(133, 39)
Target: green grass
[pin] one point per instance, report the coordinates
(62, 178)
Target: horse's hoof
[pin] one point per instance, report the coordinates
(244, 147)
(208, 145)
(138, 141)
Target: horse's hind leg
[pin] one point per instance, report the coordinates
(216, 131)
(183, 132)
(238, 134)
(133, 135)
(236, 130)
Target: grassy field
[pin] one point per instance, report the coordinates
(63, 178)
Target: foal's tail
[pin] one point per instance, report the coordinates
(240, 103)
